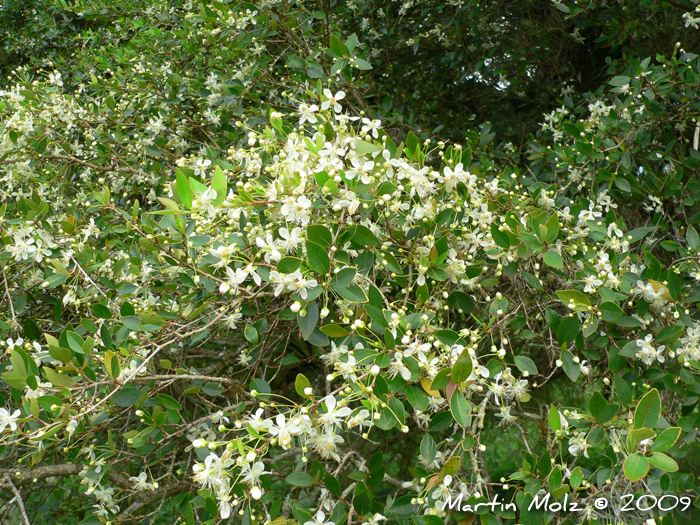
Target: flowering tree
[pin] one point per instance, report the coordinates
(233, 294)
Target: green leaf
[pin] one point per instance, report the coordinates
(597, 404)
(320, 235)
(61, 354)
(334, 330)
(590, 326)
(219, 185)
(571, 368)
(623, 185)
(309, 321)
(337, 46)
(31, 330)
(462, 369)
(301, 384)
(75, 342)
(648, 410)
(553, 259)
(461, 411)
(417, 397)
(168, 402)
(262, 387)
(365, 236)
(638, 234)
(635, 466)
(352, 293)
(451, 467)
(127, 397)
(693, 238)
(554, 418)
(567, 330)
(663, 462)
(620, 81)
(101, 311)
(610, 312)
(391, 263)
(251, 334)
(441, 379)
(670, 334)
(288, 264)
(525, 364)
(500, 237)
(361, 64)
(343, 278)
(351, 42)
(428, 448)
(623, 391)
(578, 299)
(532, 241)
(318, 257)
(332, 484)
(184, 190)
(666, 439)
(552, 228)
(300, 479)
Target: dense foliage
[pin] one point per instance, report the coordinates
(336, 263)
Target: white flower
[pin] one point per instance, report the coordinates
(269, 248)
(332, 100)
(371, 126)
(333, 415)
(361, 419)
(281, 282)
(361, 170)
(505, 415)
(55, 78)
(9, 420)
(592, 282)
(257, 422)
(301, 285)
(219, 417)
(232, 320)
(325, 444)
(452, 177)
(235, 278)
(320, 517)
(284, 431)
(201, 166)
(374, 520)
(140, 482)
(252, 474)
(306, 113)
(22, 249)
(647, 352)
(349, 201)
(204, 203)
(578, 444)
(398, 367)
(296, 209)
(11, 344)
(289, 239)
(585, 370)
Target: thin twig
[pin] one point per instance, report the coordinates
(7, 484)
